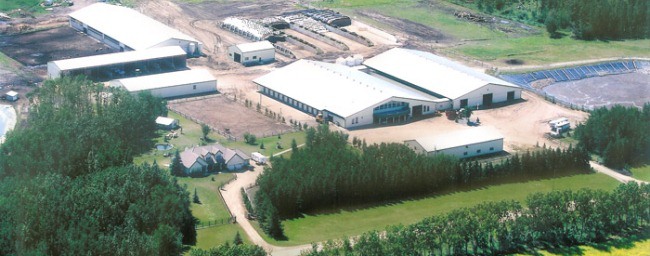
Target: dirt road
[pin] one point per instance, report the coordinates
(614, 174)
(232, 195)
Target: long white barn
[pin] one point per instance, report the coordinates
(346, 96)
(472, 142)
(126, 29)
(442, 77)
(172, 84)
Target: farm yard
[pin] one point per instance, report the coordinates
(480, 41)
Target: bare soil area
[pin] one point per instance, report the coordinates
(523, 125)
(37, 48)
(228, 117)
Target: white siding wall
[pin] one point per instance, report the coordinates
(180, 90)
(265, 55)
(473, 149)
(499, 94)
(415, 146)
(53, 71)
(365, 117)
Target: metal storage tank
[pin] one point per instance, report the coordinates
(358, 59)
(191, 48)
(349, 61)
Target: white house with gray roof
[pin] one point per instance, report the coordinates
(204, 159)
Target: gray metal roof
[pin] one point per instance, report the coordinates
(337, 88)
(128, 26)
(256, 46)
(460, 138)
(120, 57)
(432, 72)
(142, 83)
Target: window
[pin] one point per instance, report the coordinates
(465, 153)
(246, 58)
(194, 87)
(254, 57)
(491, 148)
(478, 151)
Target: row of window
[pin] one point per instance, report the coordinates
(391, 104)
(356, 120)
(290, 101)
(478, 151)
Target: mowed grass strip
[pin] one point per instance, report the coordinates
(316, 228)
(641, 173)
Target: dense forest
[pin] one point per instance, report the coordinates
(618, 134)
(67, 185)
(594, 19)
(559, 218)
(329, 173)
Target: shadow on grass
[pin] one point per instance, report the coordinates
(623, 241)
(478, 186)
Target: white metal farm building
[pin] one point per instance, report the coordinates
(126, 29)
(442, 77)
(261, 52)
(344, 95)
(169, 85)
(122, 64)
(462, 144)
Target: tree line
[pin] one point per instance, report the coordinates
(619, 134)
(596, 19)
(329, 173)
(558, 218)
(67, 185)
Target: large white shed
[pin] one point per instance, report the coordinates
(346, 96)
(125, 29)
(471, 142)
(261, 52)
(170, 85)
(442, 77)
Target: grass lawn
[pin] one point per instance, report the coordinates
(8, 5)
(624, 246)
(212, 208)
(641, 173)
(354, 222)
(485, 44)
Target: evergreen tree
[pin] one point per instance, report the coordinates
(176, 167)
(195, 198)
(237, 240)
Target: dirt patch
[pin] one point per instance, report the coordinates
(409, 28)
(523, 125)
(37, 48)
(228, 117)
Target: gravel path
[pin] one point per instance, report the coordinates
(232, 195)
(614, 174)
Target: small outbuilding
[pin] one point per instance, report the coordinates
(462, 144)
(249, 54)
(166, 122)
(11, 96)
(170, 85)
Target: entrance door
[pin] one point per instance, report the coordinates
(417, 111)
(487, 99)
(237, 57)
(511, 95)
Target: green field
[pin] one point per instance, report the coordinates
(356, 221)
(492, 46)
(8, 5)
(211, 209)
(641, 173)
(635, 245)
